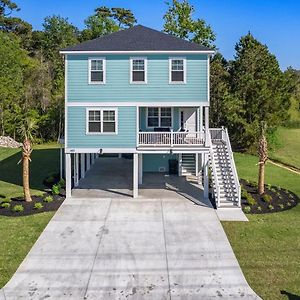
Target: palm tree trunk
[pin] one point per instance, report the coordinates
(26, 159)
(261, 178)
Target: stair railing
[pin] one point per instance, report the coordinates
(214, 172)
(233, 167)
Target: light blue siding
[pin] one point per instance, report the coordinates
(118, 87)
(126, 137)
(152, 162)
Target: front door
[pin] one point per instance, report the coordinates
(188, 119)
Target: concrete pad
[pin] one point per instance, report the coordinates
(231, 214)
(2, 297)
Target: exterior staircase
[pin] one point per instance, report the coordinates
(226, 187)
(188, 164)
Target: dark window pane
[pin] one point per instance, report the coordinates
(94, 126)
(177, 76)
(166, 111)
(138, 65)
(97, 76)
(152, 111)
(138, 76)
(165, 122)
(152, 122)
(109, 127)
(97, 65)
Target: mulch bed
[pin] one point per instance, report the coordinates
(278, 199)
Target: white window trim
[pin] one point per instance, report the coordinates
(184, 70)
(104, 70)
(159, 118)
(101, 109)
(145, 70)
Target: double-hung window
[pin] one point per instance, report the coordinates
(138, 72)
(177, 70)
(97, 70)
(101, 121)
(159, 117)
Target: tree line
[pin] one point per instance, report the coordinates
(246, 92)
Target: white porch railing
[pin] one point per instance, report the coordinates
(170, 139)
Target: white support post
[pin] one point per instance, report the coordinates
(135, 175)
(68, 175)
(206, 111)
(120, 155)
(201, 119)
(93, 158)
(88, 161)
(140, 168)
(197, 163)
(82, 165)
(76, 169)
(60, 162)
(205, 175)
(179, 164)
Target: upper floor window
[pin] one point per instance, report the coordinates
(138, 72)
(97, 70)
(101, 121)
(159, 117)
(177, 70)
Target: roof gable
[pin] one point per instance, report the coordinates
(137, 38)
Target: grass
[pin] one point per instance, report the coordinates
(18, 234)
(267, 247)
(288, 150)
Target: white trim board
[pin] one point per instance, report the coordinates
(100, 150)
(184, 70)
(131, 59)
(138, 104)
(139, 52)
(103, 70)
(66, 102)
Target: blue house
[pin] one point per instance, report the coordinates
(145, 93)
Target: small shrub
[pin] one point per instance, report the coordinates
(271, 207)
(291, 196)
(48, 199)
(253, 184)
(278, 188)
(5, 205)
(38, 205)
(18, 208)
(56, 189)
(259, 208)
(288, 204)
(267, 198)
(62, 182)
(244, 193)
(273, 190)
(247, 209)
(281, 206)
(6, 200)
(250, 200)
(269, 186)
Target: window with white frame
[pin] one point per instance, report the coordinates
(97, 70)
(177, 70)
(159, 117)
(138, 70)
(101, 121)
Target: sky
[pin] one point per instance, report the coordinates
(275, 23)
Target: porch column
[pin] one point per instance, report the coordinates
(206, 112)
(93, 158)
(205, 175)
(140, 168)
(88, 161)
(82, 165)
(68, 174)
(120, 155)
(76, 169)
(201, 118)
(135, 175)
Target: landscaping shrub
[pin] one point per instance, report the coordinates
(6, 200)
(259, 208)
(288, 204)
(281, 206)
(247, 209)
(48, 199)
(253, 184)
(267, 198)
(5, 205)
(250, 200)
(18, 208)
(62, 183)
(244, 193)
(271, 207)
(56, 189)
(38, 205)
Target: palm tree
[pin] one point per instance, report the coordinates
(263, 156)
(26, 131)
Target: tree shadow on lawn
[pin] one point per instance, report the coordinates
(44, 162)
(290, 295)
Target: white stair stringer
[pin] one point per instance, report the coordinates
(188, 164)
(226, 186)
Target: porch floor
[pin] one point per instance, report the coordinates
(112, 178)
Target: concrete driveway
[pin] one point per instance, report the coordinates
(130, 249)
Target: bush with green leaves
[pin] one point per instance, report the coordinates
(267, 198)
(253, 184)
(48, 199)
(18, 208)
(281, 206)
(259, 208)
(6, 200)
(250, 200)
(38, 205)
(62, 183)
(247, 209)
(56, 189)
(5, 205)
(288, 204)
(271, 207)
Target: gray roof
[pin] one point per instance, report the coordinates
(137, 38)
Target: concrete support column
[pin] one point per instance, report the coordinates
(88, 161)
(140, 168)
(82, 165)
(135, 175)
(206, 111)
(68, 175)
(205, 175)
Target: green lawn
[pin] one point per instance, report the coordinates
(288, 151)
(268, 246)
(17, 235)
